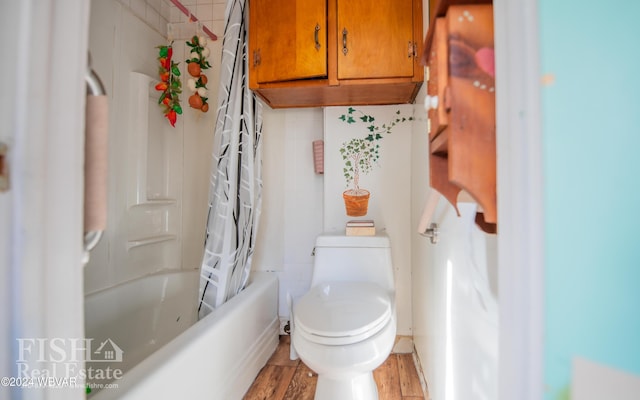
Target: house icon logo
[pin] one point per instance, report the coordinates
(108, 351)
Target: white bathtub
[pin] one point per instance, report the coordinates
(165, 353)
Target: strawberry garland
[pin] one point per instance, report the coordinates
(196, 63)
(170, 85)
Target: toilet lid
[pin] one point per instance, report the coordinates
(342, 312)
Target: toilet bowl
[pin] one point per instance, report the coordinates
(345, 327)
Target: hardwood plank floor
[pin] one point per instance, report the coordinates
(285, 379)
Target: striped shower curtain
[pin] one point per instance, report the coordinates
(236, 177)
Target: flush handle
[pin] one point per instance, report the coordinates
(4, 168)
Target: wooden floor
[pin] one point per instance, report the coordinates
(284, 379)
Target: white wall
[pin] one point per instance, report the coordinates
(122, 40)
(456, 340)
(295, 208)
(388, 182)
(292, 208)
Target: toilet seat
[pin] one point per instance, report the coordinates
(340, 313)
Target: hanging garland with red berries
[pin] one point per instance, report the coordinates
(169, 85)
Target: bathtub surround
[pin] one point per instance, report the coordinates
(139, 317)
(158, 190)
(173, 358)
(236, 173)
(177, 160)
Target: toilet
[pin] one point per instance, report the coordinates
(345, 326)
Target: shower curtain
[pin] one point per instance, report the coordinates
(236, 184)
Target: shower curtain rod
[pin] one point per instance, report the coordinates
(193, 18)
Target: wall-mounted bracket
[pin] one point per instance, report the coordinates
(432, 233)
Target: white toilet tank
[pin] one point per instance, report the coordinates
(353, 258)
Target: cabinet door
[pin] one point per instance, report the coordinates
(375, 39)
(472, 121)
(289, 39)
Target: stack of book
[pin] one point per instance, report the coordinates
(361, 227)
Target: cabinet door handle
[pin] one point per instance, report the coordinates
(344, 41)
(316, 36)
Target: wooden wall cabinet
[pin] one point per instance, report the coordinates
(337, 52)
(461, 107)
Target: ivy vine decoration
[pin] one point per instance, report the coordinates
(361, 154)
(169, 85)
(196, 64)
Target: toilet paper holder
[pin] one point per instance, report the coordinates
(432, 233)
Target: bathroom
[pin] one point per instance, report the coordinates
(287, 229)
(435, 280)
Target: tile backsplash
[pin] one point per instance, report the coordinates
(159, 13)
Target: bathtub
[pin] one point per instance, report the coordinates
(146, 343)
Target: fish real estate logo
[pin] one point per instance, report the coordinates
(108, 351)
(61, 358)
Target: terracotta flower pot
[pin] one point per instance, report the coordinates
(356, 202)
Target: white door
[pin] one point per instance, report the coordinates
(42, 124)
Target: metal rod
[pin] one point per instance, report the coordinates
(94, 84)
(193, 18)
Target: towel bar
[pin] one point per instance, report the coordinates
(94, 88)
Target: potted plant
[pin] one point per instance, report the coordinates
(360, 155)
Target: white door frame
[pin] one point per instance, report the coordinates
(42, 114)
(520, 200)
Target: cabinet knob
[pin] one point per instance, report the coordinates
(430, 102)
